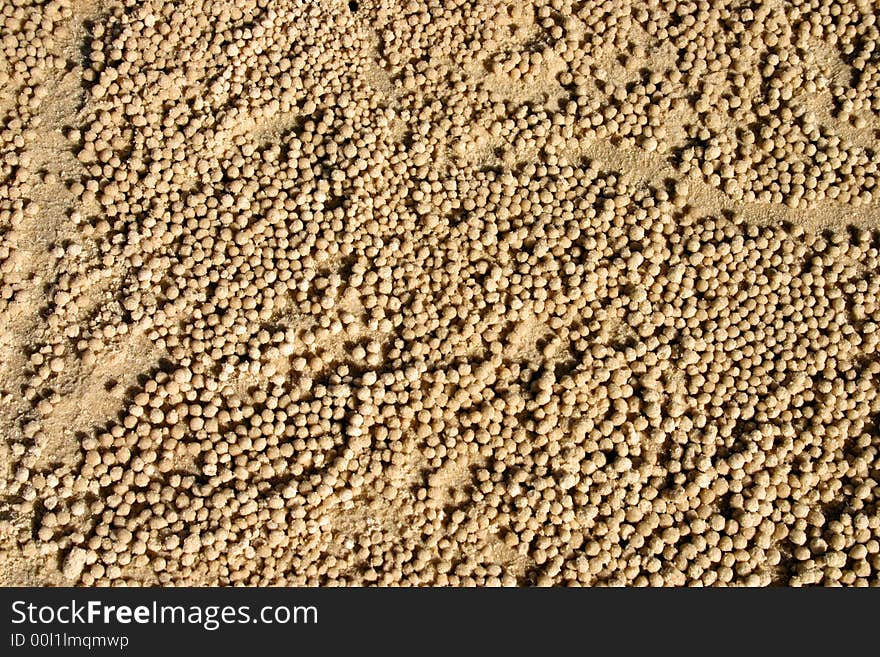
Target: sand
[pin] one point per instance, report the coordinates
(515, 440)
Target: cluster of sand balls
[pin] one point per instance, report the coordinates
(751, 76)
(758, 136)
(28, 56)
(738, 108)
(852, 28)
(405, 333)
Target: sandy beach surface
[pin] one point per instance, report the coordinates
(449, 292)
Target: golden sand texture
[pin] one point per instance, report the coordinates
(462, 292)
